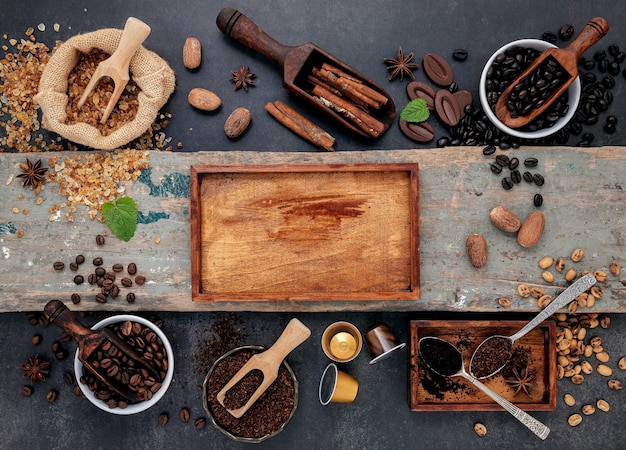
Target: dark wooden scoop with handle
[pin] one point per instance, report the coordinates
(298, 63)
(89, 341)
(267, 362)
(567, 58)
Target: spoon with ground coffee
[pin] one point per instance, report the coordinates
(444, 359)
(494, 353)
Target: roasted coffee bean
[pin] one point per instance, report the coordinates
(620, 57)
(100, 239)
(80, 259)
(589, 137)
(538, 200)
(538, 179)
(502, 160)
(98, 261)
(589, 65)
(92, 278)
(513, 163)
(566, 32)
(460, 54)
(199, 423)
(79, 279)
(68, 378)
(117, 267)
(516, 176)
(60, 355)
(36, 339)
(507, 183)
(126, 282)
(27, 391)
(107, 283)
(75, 298)
(130, 297)
(613, 49)
(549, 36)
(489, 150)
(52, 395)
(110, 276)
(609, 128)
(73, 266)
(163, 418)
(454, 88)
(101, 298)
(614, 68)
(531, 162)
(140, 280)
(599, 55)
(131, 269)
(443, 142)
(100, 271)
(58, 265)
(495, 168)
(115, 291)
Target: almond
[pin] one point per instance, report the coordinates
(203, 99)
(192, 53)
(504, 219)
(531, 230)
(476, 246)
(237, 122)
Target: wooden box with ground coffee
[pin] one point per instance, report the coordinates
(528, 379)
(305, 232)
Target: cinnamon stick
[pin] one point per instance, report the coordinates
(350, 91)
(300, 125)
(357, 116)
(357, 83)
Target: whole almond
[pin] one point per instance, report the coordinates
(476, 246)
(192, 53)
(504, 219)
(203, 99)
(237, 122)
(531, 230)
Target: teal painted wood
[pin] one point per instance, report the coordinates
(584, 203)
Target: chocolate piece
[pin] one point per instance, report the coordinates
(417, 131)
(447, 108)
(417, 89)
(437, 69)
(463, 98)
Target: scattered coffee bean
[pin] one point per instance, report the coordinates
(199, 423)
(68, 378)
(130, 297)
(101, 298)
(51, 396)
(100, 271)
(163, 418)
(126, 282)
(118, 267)
(80, 259)
(79, 279)
(59, 265)
(538, 200)
(100, 239)
(502, 160)
(538, 179)
(549, 36)
(73, 266)
(131, 269)
(495, 168)
(531, 162)
(528, 177)
(460, 54)
(513, 163)
(36, 339)
(507, 183)
(516, 176)
(27, 391)
(566, 32)
(98, 261)
(110, 276)
(115, 291)
(140, 280)
(75, 298)
(489, 150)
(184, 415)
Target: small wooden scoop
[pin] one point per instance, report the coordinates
(567, 58)
(117, 65)
(299, 63)
(267, 362)
(88, 343)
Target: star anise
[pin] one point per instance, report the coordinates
(32, 173)
(36, 369)
(401, 66)
(242, 78)
(523, 381)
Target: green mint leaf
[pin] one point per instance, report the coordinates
(415, 111)
(121, 217)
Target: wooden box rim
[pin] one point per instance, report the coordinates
(196, 172)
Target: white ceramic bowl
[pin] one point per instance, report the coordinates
(136, 407)
(574, 92)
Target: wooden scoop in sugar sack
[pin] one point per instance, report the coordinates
(347, 96)
(89, 341)
(268, 362)
(567, 58)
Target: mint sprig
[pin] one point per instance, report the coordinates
(121, 217)
(415, 111)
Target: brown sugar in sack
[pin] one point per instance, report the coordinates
(152, 75)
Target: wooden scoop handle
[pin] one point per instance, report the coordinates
(294, 334)
(595, 30)
(239, 27)
(135, 32)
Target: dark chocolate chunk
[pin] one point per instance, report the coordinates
(437, 69)
(417, 131)
(447, 108)
(417, 89)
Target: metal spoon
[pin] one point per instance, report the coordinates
(444, 359)
(485, 348)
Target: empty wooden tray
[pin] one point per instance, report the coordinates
(428, 392)
(305, 232)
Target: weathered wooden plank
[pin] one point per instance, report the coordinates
(584, 207)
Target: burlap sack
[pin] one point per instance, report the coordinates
(151, 73)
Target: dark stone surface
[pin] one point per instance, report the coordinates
(361, 34)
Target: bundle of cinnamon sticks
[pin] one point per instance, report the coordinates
(348, 96)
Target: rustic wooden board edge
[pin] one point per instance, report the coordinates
(550, 392)
(198, 295)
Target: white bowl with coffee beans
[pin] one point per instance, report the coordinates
(506, 64)
(147, 340)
